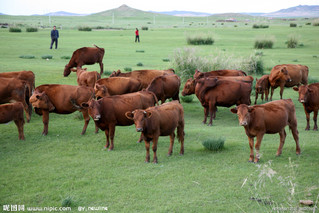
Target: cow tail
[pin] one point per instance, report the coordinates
(244, 74)
(180, 128)
(155, 98)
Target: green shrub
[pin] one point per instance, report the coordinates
(308, 23)
(85, 29)
(200, 39)
(264, 43)
(140, 51)
(166, 60)
(65, 57)
(47, 57)
(107, 72)
(32, 29)
(253, 65)
(15, 30)
(144, 28)
(27, 56)
(292, 42)
(67, 202)
(315, 23)
(293, 25)
(139, 64)
(187, 99)
(214, 144)
(128, 69)
(257, 26)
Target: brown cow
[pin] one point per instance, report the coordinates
(165, 87)
(85, 78)
(145, 76)
(85, 56)
(109, 112)
(199, 74)
(268, 118)
(116, 86)
(287, 75)
(159, 121)
(15, 90)
(9, 112)
(309, 97)
(60, 99)
(262, 87)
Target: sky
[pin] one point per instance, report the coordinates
(30, 7)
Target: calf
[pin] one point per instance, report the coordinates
(159, 121)
(9, 112)
(309, 97)
(109, 112)
(15, 90)
(165, 87)
(262, 87)
(60, 99)
(215, 73)
(268, 118)
(85, 78)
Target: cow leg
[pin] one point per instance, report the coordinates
(86, 121)
(170, 150)
(251, 145)
(295, 134)
(307, 118)
(256, 97)
(180, 136)
(266, 94)
(271, 93)
(112, 131)
(19, 124)
(257, 147)
(140, 139)
(281, 91)
(27, 111)
(101, 68)
(154, 147)
(282, 135)
(147, 147)
(107, 138)
(205, 115)
(211, 113)
(315, 113)
(176, 96)
(262, 97)
(45, 119)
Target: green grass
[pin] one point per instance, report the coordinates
(67, 169)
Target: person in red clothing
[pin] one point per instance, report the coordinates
(137, 36)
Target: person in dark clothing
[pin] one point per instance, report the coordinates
(137, 36)
(54, 37)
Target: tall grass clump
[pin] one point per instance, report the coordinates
(32, 29)
(293, 25)
(15, 30)
(257, 26)
(315, 23)
(200, 39)
(292, 41)
(85, 29)
(253, 65)
(214, 144)
(187, 99)
(27, 56)
(264, 43)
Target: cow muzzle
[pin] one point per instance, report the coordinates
(302, 101)
(139, 129)
(97, 117)
(243, 123)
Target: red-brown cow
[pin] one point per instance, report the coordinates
(15, 90)
(309, 97)
(85, 56)
(9, 112)
(159, 121)
(116, 86)
(199, 74)
(165, 87)
(109, 112)
(27, 76)
(85, 78)
(144, 76)
(287, 75)
(262, 87)
(268, 118)
(60, 99)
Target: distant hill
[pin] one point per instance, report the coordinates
(298, 11)
(61, 13)
(183, 13)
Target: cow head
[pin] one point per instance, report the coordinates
(284, 74)
(243, 112)
(67, 70)
(139, 117)
(40, 100)
(304, 93)
(94, 109)
(258, 86)
(117, 73)
(101, 91)
(198, 74)
(189, 87)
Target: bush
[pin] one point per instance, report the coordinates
(47, 57)
(140, 51)
(27, 56)
(264, 43)
(85, 29)
(187, 99)
(128, 69)
(292, 42)
(253, 65)
(139, 64)
(200, 39)
(293, 25)
(65, 57)
(166, 60)
(32, 29)
(315, 23)
(214, 144)
(107, 72)
(144, 28)
(257, 26)
(15, 30)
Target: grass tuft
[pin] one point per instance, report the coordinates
(47, 57)
(187, 99)
(214, 144)
(200, 39)
(27, 56)
(15, 30)
(32, 29)
(65, 57)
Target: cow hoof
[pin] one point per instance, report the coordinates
(169, 155)
(110, 150)
(138, 141)
(146, 161)
(315, 129)
(181, 154)
(209, 124)
(250, 161)
(307, 129)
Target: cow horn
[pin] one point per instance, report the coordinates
(144, 112)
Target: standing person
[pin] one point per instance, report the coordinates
(137, 36)
(54, 37)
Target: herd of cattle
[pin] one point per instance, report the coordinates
(130, 98)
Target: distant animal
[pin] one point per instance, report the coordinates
(144, 76)
(268, 118)
(159, 121)
(85, 56)
(199, 74)
(116, 86)
(109, 112)
(15, 90)
(85, 78)
(165, 87)
(287, 75)
(61, 99)
(309, 97)
(212, 92)
(14, 111)
(262, 87)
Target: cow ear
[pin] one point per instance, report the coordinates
(296, 89)
(251, 109)
(118, 72)
(85, 105)
(310, 90)
(130, 115)
(234, 110)
(147, 114)
(85, 69)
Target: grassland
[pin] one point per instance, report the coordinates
(47, 170)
